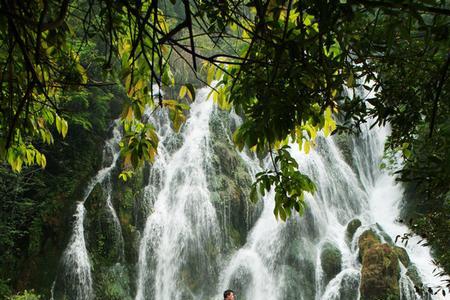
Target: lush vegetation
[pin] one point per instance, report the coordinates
(288, 66)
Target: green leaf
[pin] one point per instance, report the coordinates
(191, 91)
(254, 194)
(64, 128)
(167, 77)
(58, 123)
(123, 176)
(306, 147)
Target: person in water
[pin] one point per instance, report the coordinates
(228, 295)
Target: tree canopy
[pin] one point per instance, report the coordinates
(291, 68)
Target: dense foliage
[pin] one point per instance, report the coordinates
(287, 66)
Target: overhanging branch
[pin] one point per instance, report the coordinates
(403, 5)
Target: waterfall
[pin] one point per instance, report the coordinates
(75, 278)
(183, 222)
(189, 249)
(343, 193)
(338, 198)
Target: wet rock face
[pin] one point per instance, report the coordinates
(298, 264)
(230, 183)
(331, 259)
(292, 276)
(343, 142)
(100, 229)
(349, 287)
(380, 269)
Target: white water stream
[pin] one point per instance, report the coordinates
(183, 219)
(75, 276)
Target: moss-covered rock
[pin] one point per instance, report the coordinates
(230, 183)
(103, 235)
(331, 260)
(95, 199)
(199, 269)
(366, 241)
(128, 201)
(113, 283)
(379, 274)
(344, 144)
(380, 269)
(352, 226)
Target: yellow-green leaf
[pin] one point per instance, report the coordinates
(58, 123)
(183, 91)
(307, 146)
(210, 74)
(64, 128)
(43, 161)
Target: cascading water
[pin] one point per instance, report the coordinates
(282, 247)
(189, 250)
(75, 279)
(279, 260)
(183, 222)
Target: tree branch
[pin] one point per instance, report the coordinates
(174, 31)
(60, 20)
(438, 93)
(187, 11)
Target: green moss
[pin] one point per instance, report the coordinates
(331, 260)
(352, 226)
(367, 240)
(103, 240)
(235, 237)
(380, 269)
(113, 283)
(199, 271)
